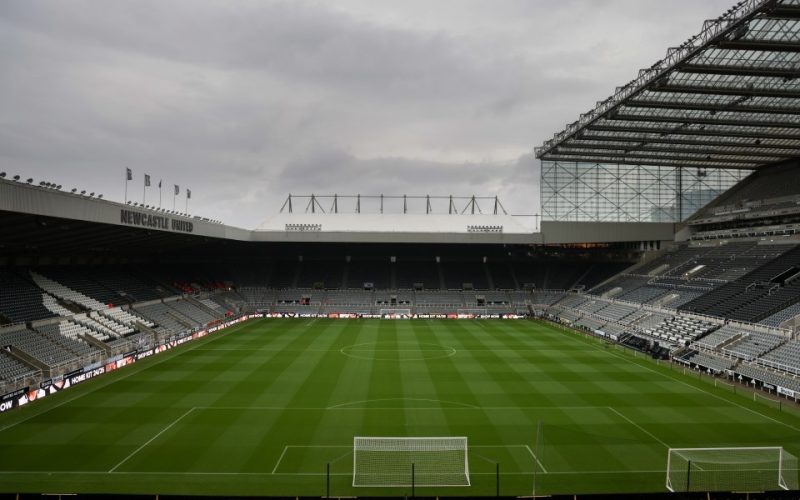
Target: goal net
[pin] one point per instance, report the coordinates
(395, 313)
(731, 469)
(407, 461)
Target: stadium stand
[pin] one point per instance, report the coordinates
(129, 287)
(65, 293)
(53, 306)
(284, 275)
(378, 273)
(502, 276)
(785, 357)
(165, 316)
(320, 274)
(751, 345)
(708, 361)
(464, 275)
(778, 319)
(14, 372)
(425, 273)
(756, 295)
(20, 300)
(78, 282)
(126, 317)
(49, 347)
(767, 376)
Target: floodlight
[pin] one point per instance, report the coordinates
(83, 192)
(73, 190)
(2, 175)
(100, 196)
(30, 181)
(41, 183)
(16, 177)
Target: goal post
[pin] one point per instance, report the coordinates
(395, 313)
(731, 469)
(384, 462)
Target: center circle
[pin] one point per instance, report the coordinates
(377, 351)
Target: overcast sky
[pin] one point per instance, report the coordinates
(246, 101)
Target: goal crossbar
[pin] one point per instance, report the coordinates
(765, 468)
(410, 461)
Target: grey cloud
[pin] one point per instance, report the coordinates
(245, 102)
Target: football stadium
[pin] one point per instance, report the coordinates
(638, 338)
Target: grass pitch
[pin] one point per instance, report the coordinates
(262, 407)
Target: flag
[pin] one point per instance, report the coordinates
(188, 193)
(177, 190)
(159, 184)
(128, 174)
(146, 180)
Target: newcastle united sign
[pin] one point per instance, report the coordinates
(153, 221)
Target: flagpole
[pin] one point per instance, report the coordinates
(126, 185)
(187, 201)
(144, 190)
(159, 193)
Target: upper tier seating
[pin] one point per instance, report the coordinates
(66, 293)
(329, 274)
(456, 274)
(502, 275)
(126, 317)
(379, 273)
(411, 273)
(75, 279)
(132, 288)
(20, 300)
(757, 294)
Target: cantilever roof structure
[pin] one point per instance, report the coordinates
(725, 98)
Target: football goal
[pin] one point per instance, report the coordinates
(410, 461)
(395, 313)
(731, 469)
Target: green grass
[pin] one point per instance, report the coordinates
(262, 407)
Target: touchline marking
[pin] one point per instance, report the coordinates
(639, 427)
(279, 459)
(536, 458)
(694, 387)
(111, 382)
(191, 473)
(165, 429)
(386, 408)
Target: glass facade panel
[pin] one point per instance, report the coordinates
(573, 191)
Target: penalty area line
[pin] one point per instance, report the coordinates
(278, 463)
(640, 427)
(162, 431)
(536, 459)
